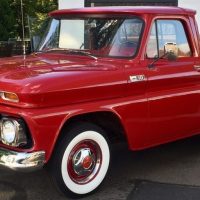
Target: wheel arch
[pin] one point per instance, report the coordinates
(109, 121)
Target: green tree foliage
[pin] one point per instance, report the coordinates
(7, 20)
(11, 20)
(43, 7)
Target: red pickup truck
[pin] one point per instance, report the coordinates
(100, 76)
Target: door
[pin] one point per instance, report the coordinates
(173, 86)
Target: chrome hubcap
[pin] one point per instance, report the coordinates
(83, 162)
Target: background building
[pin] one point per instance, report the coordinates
(193, 4)
(92, 3)
(130, 2)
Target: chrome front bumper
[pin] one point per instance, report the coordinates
(21, 161)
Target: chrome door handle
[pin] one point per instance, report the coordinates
(197, 67)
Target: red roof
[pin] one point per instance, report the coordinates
(136, 10)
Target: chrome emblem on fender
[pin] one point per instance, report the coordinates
(137, 78)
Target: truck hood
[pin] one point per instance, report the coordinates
(43, 80)
(53, 62)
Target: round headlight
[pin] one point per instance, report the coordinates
(8, 132)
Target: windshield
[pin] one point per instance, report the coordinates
(113, 37)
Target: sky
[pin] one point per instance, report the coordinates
(193, 4)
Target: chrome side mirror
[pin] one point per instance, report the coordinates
(171, 51)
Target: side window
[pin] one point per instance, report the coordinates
(169, 31)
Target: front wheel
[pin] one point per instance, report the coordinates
(81, 160)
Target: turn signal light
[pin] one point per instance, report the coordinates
(9, 96)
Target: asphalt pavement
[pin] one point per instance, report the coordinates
(175, 163)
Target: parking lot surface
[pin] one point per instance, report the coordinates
(176, 163)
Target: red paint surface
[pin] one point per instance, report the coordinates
(54, 87)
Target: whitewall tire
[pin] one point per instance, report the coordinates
(81, 161)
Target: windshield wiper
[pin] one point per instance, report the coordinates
(54, 49)
(71, 51)
(82, 53)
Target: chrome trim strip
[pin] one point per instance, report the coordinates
(20, 161)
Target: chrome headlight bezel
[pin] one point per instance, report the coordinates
(20, 138)
(12, 134)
